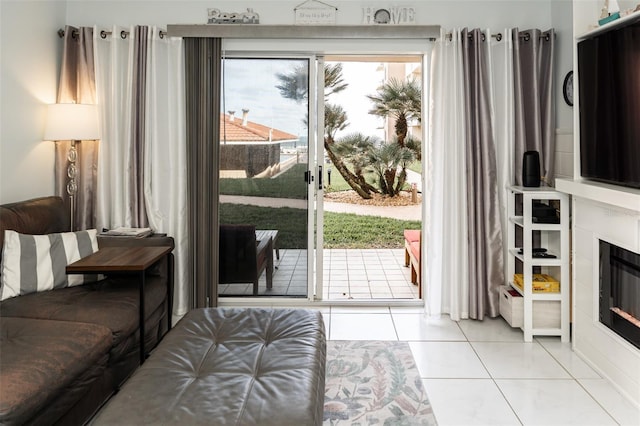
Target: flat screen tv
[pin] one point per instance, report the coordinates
(609, 100)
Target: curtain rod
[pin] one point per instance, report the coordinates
(104, 33)
(498, 36)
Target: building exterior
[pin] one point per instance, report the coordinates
(249, 149)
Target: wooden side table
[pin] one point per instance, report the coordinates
(126, 260)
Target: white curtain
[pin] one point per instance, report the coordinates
(504, 119)
(113, 56)
(165, 185)
(447, 288)
(165, 162)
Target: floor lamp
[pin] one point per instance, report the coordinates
(75, 123)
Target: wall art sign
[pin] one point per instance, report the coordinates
(218, 17)
(395, 15)
(314, 12)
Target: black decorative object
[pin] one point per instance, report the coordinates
(531, 169)
(567, 88)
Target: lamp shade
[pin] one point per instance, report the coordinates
(72, 122)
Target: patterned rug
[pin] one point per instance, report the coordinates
(374, 383)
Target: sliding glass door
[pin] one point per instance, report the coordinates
(267, 147)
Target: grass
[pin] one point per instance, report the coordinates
(339, 184)
(290, 184)
(341, 230)
(350, 231)
(291, 223)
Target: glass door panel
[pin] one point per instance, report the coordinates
(264, 177)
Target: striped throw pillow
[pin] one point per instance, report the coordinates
(33, 263)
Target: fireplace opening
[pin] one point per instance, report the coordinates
(620, 291)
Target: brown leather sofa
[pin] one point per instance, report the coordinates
(64, 352)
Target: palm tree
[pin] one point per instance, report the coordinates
(294, 86)
(385, 160)
(400, 99)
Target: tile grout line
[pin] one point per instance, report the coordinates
(575, 379)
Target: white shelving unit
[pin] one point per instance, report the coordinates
(555, 238)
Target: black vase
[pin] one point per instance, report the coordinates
(531, 169)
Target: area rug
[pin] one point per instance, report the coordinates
(374, 383)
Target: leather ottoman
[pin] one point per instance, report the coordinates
(233, 366)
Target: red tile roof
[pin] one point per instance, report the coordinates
(252, 132)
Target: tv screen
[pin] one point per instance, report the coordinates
(609, 100)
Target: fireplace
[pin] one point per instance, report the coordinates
(620, 291)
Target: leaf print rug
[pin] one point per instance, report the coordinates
(374, 383)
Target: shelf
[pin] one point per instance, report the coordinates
(539, 296)
(544, 313)
(610, 26)
(518, 220)
(541, 192)
(538, 261)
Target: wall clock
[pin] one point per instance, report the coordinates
(567, 88)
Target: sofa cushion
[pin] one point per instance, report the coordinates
(241, 366)
(112, 303)
(412, 235)
(32, 263)
(415, 249)
(43, 359)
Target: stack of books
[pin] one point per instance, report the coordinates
(122, 231)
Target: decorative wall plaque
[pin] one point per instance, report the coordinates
(314, 12)
(395, 15)
(218, 17)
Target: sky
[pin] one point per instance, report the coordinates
(251, 84)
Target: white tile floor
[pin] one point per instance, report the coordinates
(482, 373)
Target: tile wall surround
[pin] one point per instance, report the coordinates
(617, 223)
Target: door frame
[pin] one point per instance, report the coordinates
(314, 48)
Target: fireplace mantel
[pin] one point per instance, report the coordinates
(614, 195)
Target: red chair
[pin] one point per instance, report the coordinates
(413, 255)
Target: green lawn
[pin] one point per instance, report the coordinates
(289, 184)
(345, 230)
(341, 230)
(339, 184)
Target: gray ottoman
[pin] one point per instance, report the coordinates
(222, 366)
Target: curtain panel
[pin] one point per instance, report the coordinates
(203, 59)
(534, 103)
(486, 267)
(142, 174)
(490, 102)
(447, 289)
(77, 85)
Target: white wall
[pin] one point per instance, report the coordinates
(29, 63)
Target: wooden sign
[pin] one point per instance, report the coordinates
(313, 12)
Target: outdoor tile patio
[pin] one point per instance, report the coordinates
(367, 274)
